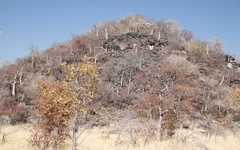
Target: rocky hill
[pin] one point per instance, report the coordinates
(149, 72)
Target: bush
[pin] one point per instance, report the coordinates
(13, 110)
(182, 64)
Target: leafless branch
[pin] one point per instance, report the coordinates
(222, 80)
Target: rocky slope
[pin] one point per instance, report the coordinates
(173, 79)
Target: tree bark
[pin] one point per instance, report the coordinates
(158, 135)
(33, 62)
(159, 35)
(129, 86)
(14, 85)
(20, 76)
(106, 33)
(207, 49)
(96, 56)
(74, 131)
(122, 80)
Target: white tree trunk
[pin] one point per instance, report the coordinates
(74, 131)
(207, 50)
(122, 80)
(159, 35)
(13, 89)
(20, 76)
(14, 85)
(159, 127)
(151, 33)
(222, 81)
(106, 33)
(96, 56)
(129, 86)
(47, 59)
(33, 62)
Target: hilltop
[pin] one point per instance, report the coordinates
(153, 76)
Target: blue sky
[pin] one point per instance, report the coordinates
(43, 22)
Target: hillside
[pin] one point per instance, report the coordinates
(153, 76)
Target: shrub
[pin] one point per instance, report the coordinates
(182, 64)
(13, 110)
(60, 103)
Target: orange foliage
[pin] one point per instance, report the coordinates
(56, 104)
(59, 102)
(237, 90)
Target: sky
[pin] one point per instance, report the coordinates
(40, 23)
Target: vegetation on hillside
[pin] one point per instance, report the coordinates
(152, 74)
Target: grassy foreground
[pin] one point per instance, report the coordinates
(16, 137)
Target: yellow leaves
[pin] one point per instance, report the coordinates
(83, 109)
(86, 59)
(64, 64)
(62, 97)
(58, 101)
(237, 91)
(102, 108)
(84, 73)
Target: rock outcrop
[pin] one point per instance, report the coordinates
(132, 41)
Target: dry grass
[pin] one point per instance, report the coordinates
(100, 139)
(14, 137)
